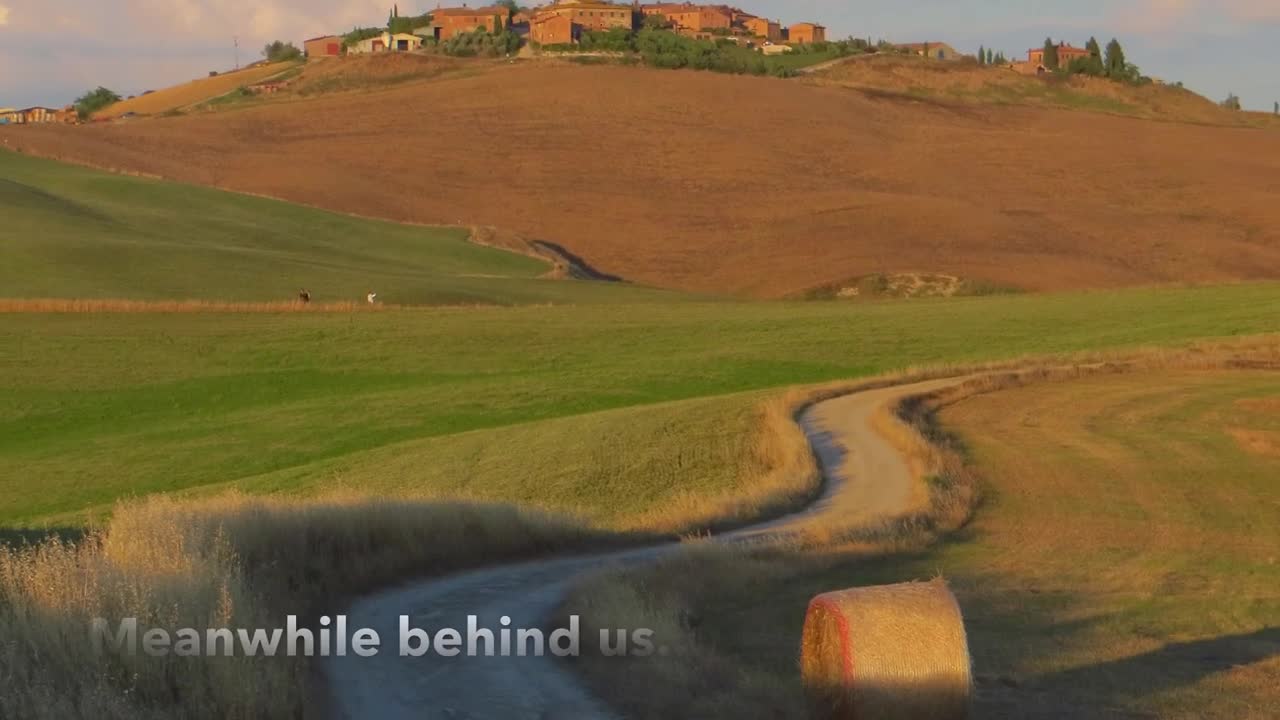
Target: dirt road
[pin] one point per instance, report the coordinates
(866, 478)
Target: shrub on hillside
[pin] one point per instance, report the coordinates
(481, 43)
(358, 34)
(613, 40)
(280, 51)
(95, 100)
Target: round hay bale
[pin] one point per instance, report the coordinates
(897, 651)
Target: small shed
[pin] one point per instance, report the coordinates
(323, 46)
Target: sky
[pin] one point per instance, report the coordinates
(51, 51)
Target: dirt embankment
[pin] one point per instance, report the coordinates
(743, 185)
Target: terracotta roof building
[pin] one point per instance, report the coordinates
(806, 33)
(764, 28)
(553, 29)
(687, 16)
(1066, 53)
(590, 15)
(449, 22)
(323, 46)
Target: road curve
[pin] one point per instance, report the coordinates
(866, 478)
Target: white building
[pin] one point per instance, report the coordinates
(386, 42)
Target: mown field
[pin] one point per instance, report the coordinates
(72, 232)
(94, 407)
(1123, 562)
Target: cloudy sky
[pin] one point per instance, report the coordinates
(52, 50)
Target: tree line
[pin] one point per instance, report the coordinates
(1110, 63)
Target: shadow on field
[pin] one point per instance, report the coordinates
(1013, 627)
(1177, 664)
(17, 537)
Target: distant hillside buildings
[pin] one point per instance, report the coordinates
(38, 115)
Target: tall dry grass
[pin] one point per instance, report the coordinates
(681, 594)
(233, 561)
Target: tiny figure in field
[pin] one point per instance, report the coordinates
(371, 297)
(304, 296)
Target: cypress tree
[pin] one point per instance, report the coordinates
(991, 58)
(982, 55)
(1095, 65)
(1050, 54)
(1115, 64)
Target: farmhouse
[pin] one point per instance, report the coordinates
(386, 42)
(931, 50)
(324, 46)
(8, 116)
(806, 33)
(590, 15)
(449, 22)
(1066, 53)
(687, 16)
(553, 29)
(764, 28)
(38, 115)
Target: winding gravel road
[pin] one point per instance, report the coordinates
(866, 479)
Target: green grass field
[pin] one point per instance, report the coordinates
(71, 232)
(94, 407)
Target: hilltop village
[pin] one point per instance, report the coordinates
(564, 22)
(721, 38)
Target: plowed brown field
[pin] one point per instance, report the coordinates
(745, 185)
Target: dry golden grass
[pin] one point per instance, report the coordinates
(1259, 442)
(698, 593)
(181, 96)
(368, 72)
(75, 305)
(970, 83)
(231, 561)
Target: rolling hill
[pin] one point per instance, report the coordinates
(745, 185)
(72, 232)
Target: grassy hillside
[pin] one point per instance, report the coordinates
(97, 406)
(74, 232)
(971, 83)
(194, 92)
(687, 185)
